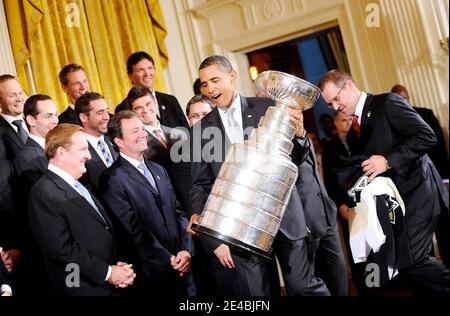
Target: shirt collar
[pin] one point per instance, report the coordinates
(93, 140)
(235, 104)
(63, 174)
(11, 118)
(133, 161)
(38, 139)
(150, 128)
(360, 106)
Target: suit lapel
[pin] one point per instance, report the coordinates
(248, 117)
(94, 155)
(135, 175)
(36, 147)
(366, 114)
(9, 131)
(113, 152)
(76, 198)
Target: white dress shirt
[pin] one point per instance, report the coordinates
(360, 106)
(237, 117)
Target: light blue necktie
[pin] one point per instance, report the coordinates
(102, 146)
(147, 174)
(85, 193)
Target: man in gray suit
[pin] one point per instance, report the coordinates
(236, 272)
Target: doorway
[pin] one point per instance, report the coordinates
(308, 58)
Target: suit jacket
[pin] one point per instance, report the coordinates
(205, 169)
(95, 166)
(8, 219)
(68, 116)
(170, 111)
(334, 155)
(178, 172)
(30, 164)
(11, 140)
(437, 153)
(69, 230)
(392, 128)
(152, 218)
(319, 209)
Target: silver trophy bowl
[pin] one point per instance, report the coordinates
(248, 199)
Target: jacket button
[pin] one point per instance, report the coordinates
(107, 227)
(319, 194)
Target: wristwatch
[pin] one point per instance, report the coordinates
(388, 164)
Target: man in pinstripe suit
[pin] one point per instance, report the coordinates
(92, 111)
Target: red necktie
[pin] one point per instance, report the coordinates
(160, 137)
(356, 126)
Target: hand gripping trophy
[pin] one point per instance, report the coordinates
(249, 197)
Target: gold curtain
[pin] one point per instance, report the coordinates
(98, 34)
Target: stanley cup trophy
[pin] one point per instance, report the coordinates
(254, 185)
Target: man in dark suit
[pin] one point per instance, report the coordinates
(15, 132)
(140, 195)
(71, 227)
(439, 157)
(141, 71)
(74, 83)
(394, 139)
(92, 112)
(30, 163)
(160, 138)
(335, 152)
(438, 152)
(239, 272)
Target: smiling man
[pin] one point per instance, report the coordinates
(139, 193)
(141, 72)
(92, 111)
(240, 273)
(74, 83)
(70, 225)
(15, 131)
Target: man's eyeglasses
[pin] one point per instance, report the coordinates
(336, 98)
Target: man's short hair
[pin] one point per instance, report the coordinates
(60, 137)
(67, 69)
(336, 76)
(401, 90)
(198, 98)
(136, 93)
(115, 125)
(136, 57)
(30, 106)
(7, 77)
(83, 104)
(216, 60)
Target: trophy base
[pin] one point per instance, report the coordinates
(230, 240)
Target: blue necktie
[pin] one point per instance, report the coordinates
(147, 174)
(102, 146)
(85, 193)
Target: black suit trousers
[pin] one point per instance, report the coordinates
(296, 267)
